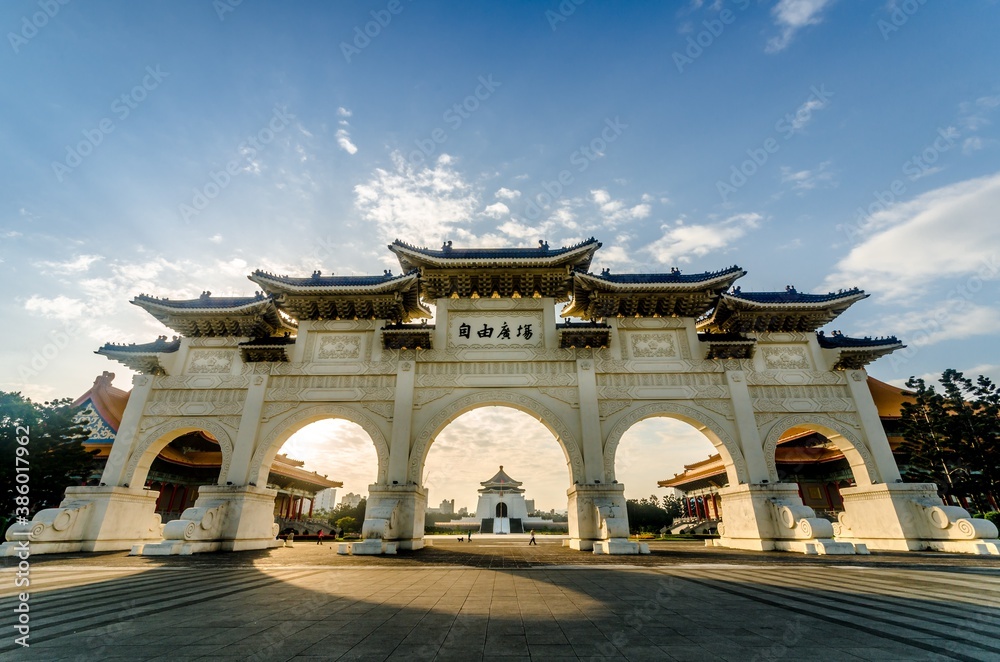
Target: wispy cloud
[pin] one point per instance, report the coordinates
(507, 194)
(914, 243)
(681, 241)
(496, 210)
(344, 133)
(790, 16)
(806, 180)
(425, 204)
(77, 265)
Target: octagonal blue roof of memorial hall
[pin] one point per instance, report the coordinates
(501, 480)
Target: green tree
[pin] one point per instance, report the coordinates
(647, 515)
(344, 510)
(54, 454)
(348, 524)
(952, 437)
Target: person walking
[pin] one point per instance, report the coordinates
(319, 537)
(532, 541)
(470, 535)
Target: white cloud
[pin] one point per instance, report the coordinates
(77, 265)
(680, 241)
(975, 115)
(793, 15)
(419, 204)
(344, 112)
(216, 239)
(507, 194)
(344, 141)
(60, 307)
(806, 180)
(614, 212)
(950, 232)
(804, 114)
(938, 321)
(496, 210)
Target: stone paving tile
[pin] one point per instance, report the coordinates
(421, 611)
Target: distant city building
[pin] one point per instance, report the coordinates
(351, 499)
(530, 505)
(326, 500)
(446, 508)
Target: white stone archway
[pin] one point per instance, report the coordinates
(738, 366)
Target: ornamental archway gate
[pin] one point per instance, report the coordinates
(740, 367)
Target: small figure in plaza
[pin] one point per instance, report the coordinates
(319, 537)
(470, 535)
(290, 539)
(532, 541)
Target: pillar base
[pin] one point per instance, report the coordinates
(598, 519)
(89, 519)
(394, 519)
(620, 546)
(910, 517)
(224, 518)
(762, 517)
(366, 548)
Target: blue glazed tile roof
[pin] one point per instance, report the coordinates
(160, 345)
(838, 340)
(318, 280)
(670, 277)
(792, 296)
(205, 302)
(495, 253)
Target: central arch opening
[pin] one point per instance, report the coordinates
(495, 470)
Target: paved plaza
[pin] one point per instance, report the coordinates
(496, 599)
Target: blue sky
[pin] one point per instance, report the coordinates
(691, 134)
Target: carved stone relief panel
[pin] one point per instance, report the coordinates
(786, 357)
(337, 346)
(211, 362)
(644, 345)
